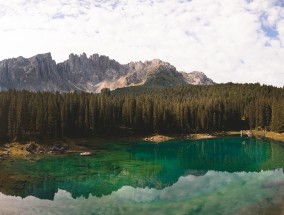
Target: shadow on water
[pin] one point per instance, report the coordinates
(136, 164)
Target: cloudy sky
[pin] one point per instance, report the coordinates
(229, 40)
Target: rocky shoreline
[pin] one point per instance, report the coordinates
(158, 138)
(161, 138)
(16, 149)
(270, 135)
(31, 148)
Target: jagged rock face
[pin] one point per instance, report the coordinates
(197, 78)
(41, 73)
(83, 73)
(36, 73)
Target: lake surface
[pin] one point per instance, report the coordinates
(229, 175)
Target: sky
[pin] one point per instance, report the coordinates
(229, 40)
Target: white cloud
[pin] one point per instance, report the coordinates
(228, 40)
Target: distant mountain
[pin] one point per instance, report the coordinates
(42, 73)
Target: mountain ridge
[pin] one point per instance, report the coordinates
(90, 74)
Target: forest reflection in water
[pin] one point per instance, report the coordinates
(190, 176)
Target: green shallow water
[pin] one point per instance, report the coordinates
(213, 176)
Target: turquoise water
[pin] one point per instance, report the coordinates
(213, 176)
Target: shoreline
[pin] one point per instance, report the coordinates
(270, 135)
(79, 145)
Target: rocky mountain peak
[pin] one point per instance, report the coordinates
(80, 72)
(197, 78)
(157, 62)
(46, 56)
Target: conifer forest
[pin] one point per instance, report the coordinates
(139, 110)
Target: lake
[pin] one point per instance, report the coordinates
(230, 175)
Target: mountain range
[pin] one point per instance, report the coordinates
(90, 74)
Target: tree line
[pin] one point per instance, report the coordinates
(138, 110)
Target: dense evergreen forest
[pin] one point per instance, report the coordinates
(138, 110)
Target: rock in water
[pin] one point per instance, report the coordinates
(85, 153)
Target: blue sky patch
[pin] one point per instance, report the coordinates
(269, 30)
